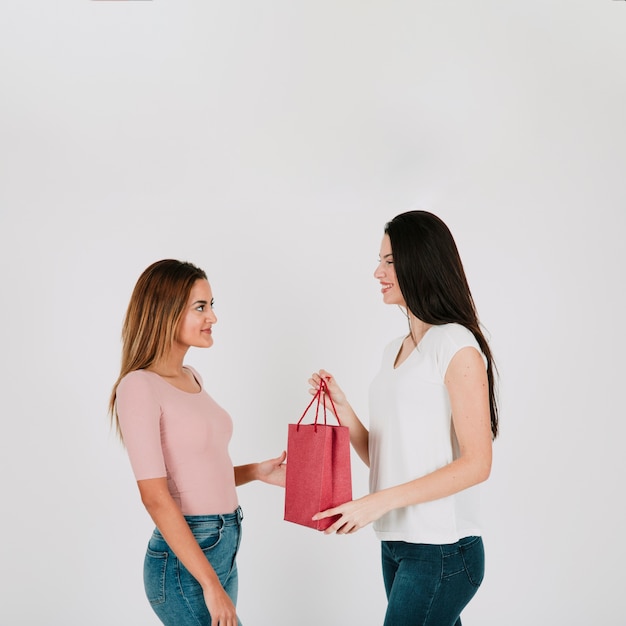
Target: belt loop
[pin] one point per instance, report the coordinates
(239, 514)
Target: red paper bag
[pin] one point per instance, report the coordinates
(318, 467)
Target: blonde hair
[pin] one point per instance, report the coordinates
(154, 311)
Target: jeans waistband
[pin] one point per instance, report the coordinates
(206, 525)
(225, 519)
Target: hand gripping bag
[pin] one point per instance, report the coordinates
(318, 466)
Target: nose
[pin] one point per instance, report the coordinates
(378, 272)
(211, 317)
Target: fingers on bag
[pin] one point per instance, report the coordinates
(318, 467)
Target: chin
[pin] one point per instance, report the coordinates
(394, 300)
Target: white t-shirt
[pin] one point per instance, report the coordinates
(411, 434)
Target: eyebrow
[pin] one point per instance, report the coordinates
(199, 302)
(386, 256)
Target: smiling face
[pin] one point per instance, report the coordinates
(194, 328)
(386, 274)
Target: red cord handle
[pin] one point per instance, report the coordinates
(320, 396)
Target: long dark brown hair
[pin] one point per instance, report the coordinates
(154, 311)
(433, 282)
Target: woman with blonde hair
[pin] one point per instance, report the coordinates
(177, 440)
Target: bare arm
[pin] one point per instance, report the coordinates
(173, 526)
(359, 435)
(271, 472)
(466, 381)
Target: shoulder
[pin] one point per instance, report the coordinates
(135, 379)
(394, 343)
(135, 385)
(448, 339)
(392, 347)
(454, 335)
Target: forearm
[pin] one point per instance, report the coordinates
(359, 435)
(446, 481)
(175, 530)
(246, 473)
(271, 471)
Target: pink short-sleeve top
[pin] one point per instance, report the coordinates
(179, 435)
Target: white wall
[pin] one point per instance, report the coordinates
(269, 142)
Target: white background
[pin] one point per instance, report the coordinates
(269, 142)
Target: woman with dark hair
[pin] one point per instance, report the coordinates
(433, 416)
(177, 439)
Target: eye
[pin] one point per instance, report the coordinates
(200, 308)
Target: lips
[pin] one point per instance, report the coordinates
(385, 287)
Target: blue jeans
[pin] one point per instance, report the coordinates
(172, 591)
(429, 585)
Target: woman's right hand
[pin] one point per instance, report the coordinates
(337, 396)
(359, 436)
(221, 607)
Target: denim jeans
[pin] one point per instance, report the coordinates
(429, 585)
(172, 591)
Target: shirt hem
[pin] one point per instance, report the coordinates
(439, 539)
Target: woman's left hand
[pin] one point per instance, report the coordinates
(273, 471)
(355, 514)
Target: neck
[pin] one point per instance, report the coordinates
(417, 328)
(170, 366)
(166, 372)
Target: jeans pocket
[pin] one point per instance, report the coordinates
(155, 566)
(211, 545)
(473, 554)
(207, 540)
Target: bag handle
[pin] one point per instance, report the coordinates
(320, 396)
